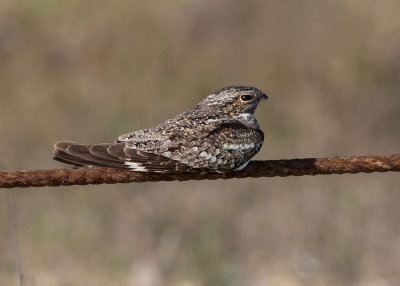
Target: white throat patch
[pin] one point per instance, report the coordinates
(248, 120)
(247, 116)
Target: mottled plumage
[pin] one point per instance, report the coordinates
(218, 134)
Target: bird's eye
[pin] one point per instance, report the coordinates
(246, 97)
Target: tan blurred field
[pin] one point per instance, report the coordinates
(89, 71)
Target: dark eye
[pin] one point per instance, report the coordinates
(246, 97)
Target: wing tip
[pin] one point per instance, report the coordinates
(114, 155)
(63, 145)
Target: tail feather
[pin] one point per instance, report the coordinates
(101, 150)
(64, 157)
(115, 155)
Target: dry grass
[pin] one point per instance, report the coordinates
(89, 71)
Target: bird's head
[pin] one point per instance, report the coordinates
(235, 101)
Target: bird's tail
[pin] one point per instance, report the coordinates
(115, 155)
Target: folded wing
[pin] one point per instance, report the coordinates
(115, 155)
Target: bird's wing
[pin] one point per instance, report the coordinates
(216, 145)
(115, 155)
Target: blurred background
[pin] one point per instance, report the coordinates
(88, 71)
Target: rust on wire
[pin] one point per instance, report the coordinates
(255, 169)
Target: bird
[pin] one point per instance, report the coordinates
(219, 134)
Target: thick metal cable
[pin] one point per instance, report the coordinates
(255, 169)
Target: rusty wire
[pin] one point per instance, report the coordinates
(255, 169)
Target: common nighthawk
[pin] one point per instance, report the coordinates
(218, 134)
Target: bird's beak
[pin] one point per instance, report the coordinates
(264, 96)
